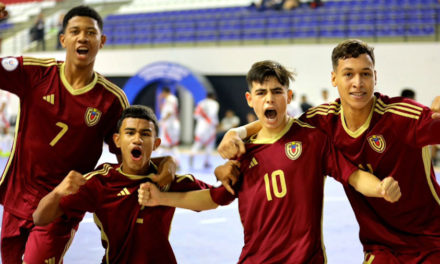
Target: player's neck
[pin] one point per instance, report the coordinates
(130, 171)
(356, 118)
(268, 132)
(78, 77)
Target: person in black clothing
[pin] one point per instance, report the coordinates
(304, 104)
(37, 32)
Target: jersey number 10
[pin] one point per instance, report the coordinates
(278, 186)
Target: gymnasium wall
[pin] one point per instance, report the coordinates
(398, 65)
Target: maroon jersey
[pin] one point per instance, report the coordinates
(393, 141)
(58, 128)
(280, 195)
(130, 233)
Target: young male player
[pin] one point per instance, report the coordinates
(66, 112)
(280, 192)
(130, 233)
(386, 136)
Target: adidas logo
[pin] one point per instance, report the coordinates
(49, 98)
(254, 162)
(50, 261)
(123, 192)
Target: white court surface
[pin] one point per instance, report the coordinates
(216, 236)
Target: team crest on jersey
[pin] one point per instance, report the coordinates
(92, 116)
(293, 150)
(377, 143)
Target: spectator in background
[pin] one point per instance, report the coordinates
(305, 105)
(60, 31)
(276, 5)
(315, 3)
(37, 32)
(250, 117)
(3, 13)
(325, 97)
(294, 108)
(229, 121)
(408, 93)
(206, 115)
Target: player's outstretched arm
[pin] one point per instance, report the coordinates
(166, 170)
(49, 207)
(369, 185)
(200, 200)
(228, 174)
(3, 12)
(232, 146)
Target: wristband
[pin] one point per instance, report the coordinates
(241, 131)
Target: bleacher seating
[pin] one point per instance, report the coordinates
(4, 26)
(336, 19)
(21, 10)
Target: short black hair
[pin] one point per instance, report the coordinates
(351, 48)
(210, 95)
(408, 93)
(166, 89)
(85, 11)
(263, 70)
(139, 111)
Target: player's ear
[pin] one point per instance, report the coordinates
(116, 139)
(103, 40)
(334, 79)
(249, 98)
(289, 96)
(157, 142)
(62, 37)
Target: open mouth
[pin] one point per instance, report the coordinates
(82, 51)
(136, 153)
(270, 113)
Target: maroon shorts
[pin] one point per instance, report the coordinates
(39, 244)
(389, 257)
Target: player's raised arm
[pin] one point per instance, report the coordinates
(369, 185)
(200, 200)
(232, 146)
(49, 207)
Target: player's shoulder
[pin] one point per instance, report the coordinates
(102, 171)
(399, 107)
(324, 110)
(185, 182)
(301, 124)
(304, 128)
(113, 89)
(41, 62)
(182, 178)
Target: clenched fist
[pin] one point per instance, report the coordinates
(71, 183)
(389, 189)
